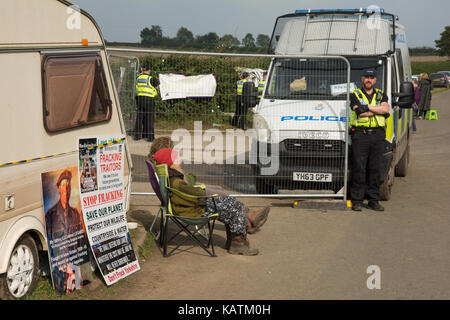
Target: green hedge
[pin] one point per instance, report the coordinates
(173, 114)
(183, 112)
(430, 67)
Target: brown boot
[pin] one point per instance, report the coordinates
(257, 218)
(250, 229)
(240, 245)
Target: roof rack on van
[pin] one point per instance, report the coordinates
(365, 10)
(316, 13)
(350, 11)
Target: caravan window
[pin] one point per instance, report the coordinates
(75, 91)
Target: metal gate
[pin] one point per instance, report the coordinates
(295, 138)
(125, 70)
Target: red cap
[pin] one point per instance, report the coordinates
(165, 156)
(66, 174)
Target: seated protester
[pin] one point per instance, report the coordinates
(238, 219)
(158, 144)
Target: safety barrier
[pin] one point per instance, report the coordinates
(294, 142)
(125, 70)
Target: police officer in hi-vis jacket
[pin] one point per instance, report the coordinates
(239, 101)
(370, 109)
(146, 91)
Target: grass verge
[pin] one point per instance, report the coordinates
(439, 90)
(44, 289)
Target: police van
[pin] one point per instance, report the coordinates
(56, 85)
(303, 115)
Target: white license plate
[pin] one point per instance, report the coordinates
(315, 177)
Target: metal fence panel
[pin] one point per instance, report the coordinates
(304, 154)
(125, 70)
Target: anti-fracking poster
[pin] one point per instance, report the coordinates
(66, 236)
(101, 161)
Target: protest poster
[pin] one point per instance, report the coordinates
(66, 236)
(88, 166)
(101, 161)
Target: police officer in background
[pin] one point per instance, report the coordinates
(370, 109)
(239, 103)
(146, 89)
(249, 100)
(261, 86)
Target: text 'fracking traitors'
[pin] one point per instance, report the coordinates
(110, 162)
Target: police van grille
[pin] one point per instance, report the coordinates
(310, 145)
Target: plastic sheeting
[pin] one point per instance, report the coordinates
(178, 86)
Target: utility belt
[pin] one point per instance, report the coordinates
(367, 130)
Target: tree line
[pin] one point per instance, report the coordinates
(185, 39)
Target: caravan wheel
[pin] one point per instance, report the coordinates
(20, 278)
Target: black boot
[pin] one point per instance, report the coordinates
(357, 206)
(375, 205)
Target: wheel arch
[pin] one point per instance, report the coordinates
(28, 224)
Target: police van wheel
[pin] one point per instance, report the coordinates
(386, 186)
(22, 272)
(401, 169)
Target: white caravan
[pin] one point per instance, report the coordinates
(302, 114)
(56, 85)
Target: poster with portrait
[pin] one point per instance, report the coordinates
(66, 236)
(103, 205)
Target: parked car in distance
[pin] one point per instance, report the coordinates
(447, 73)
(440, 79)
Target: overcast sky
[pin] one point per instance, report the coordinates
(122, 20)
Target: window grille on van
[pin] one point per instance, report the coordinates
(75, 91)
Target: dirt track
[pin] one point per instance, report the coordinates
(319, 254)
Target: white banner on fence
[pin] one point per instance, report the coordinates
(102, 201)
(178, 86)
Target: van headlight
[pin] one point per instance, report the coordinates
(263, 133)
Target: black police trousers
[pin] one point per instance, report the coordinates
(367, 154)
(238, 111)
(145, 118)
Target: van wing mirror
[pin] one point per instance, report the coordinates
(405, 96)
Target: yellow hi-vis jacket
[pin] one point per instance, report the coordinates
(240, 86)
(261, 86)
(372, 121)
(144, 87)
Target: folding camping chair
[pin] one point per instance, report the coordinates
(166, 214)
(152, 177)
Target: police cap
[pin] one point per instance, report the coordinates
(369, 73)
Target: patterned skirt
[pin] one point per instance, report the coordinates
(231, 212)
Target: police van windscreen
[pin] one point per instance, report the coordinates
(320, 79)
